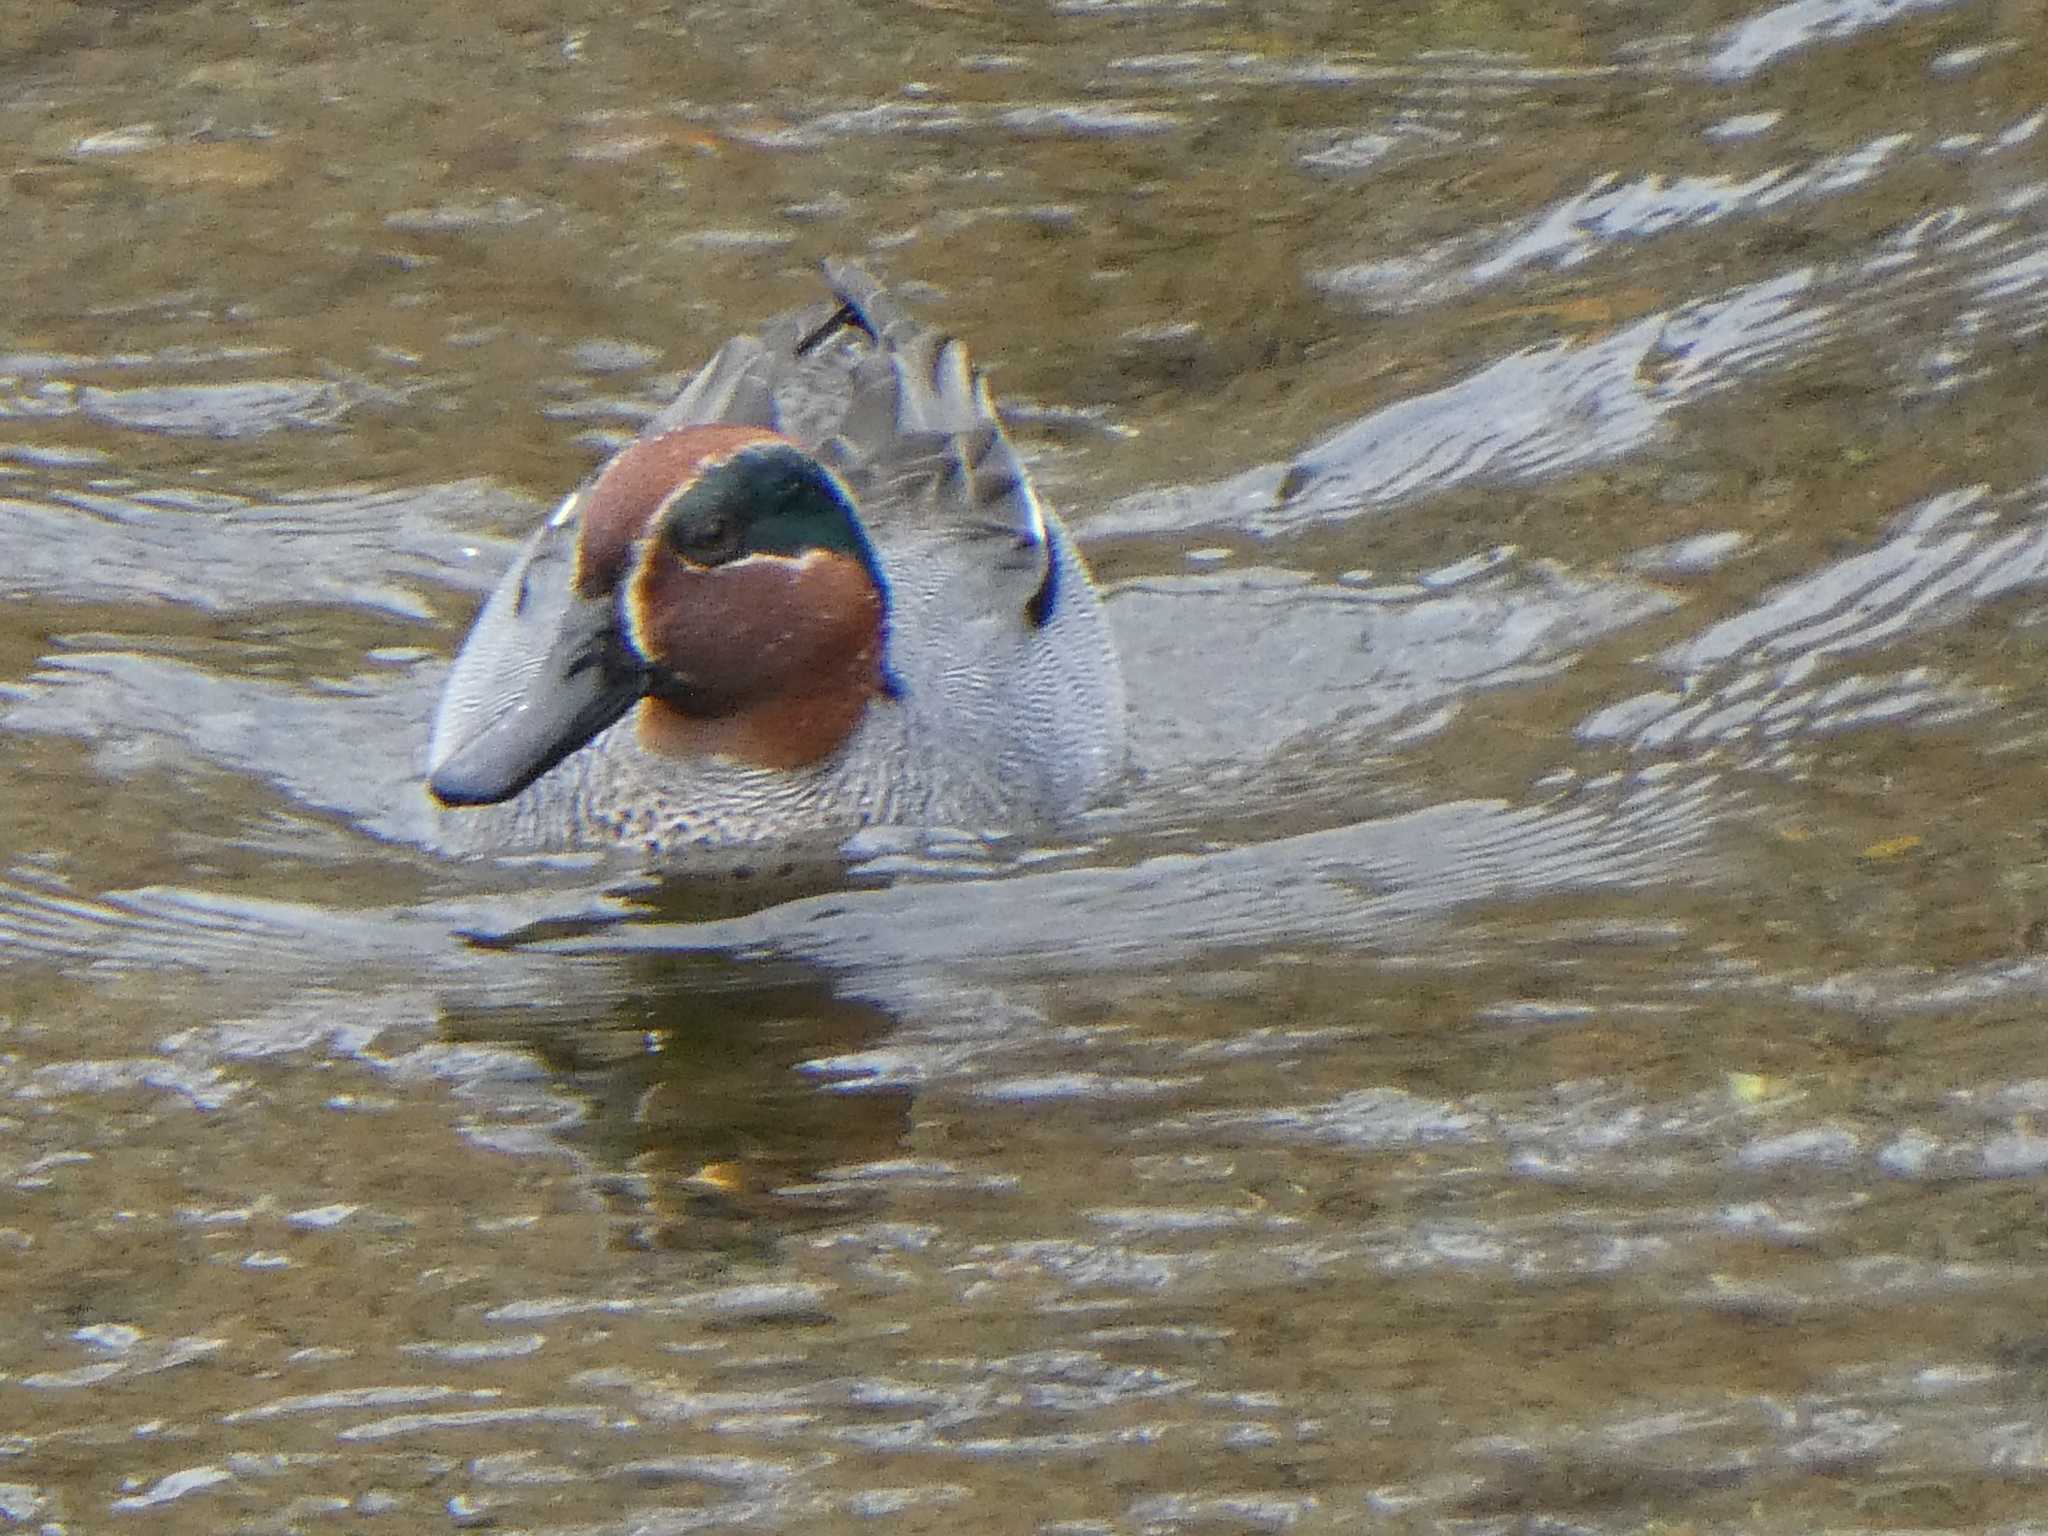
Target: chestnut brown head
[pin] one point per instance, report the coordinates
(718, 578)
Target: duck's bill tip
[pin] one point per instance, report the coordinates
(457, 785)
(492, 767)
(520, 746)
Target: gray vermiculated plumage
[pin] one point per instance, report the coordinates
(999, 721)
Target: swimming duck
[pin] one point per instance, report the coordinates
(817, 593)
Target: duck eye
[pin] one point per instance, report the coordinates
(707, 535)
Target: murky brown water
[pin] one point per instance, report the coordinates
(1553, 1041)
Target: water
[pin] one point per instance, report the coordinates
(1547, 1043)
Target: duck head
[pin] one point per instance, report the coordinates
(716, 579)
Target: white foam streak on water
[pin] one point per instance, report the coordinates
(1760, 40)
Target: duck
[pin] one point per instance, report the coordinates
(816, 594)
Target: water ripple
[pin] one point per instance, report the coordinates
(369, 549)
(1753, 680)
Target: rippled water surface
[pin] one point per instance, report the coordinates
(1552, 1039)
